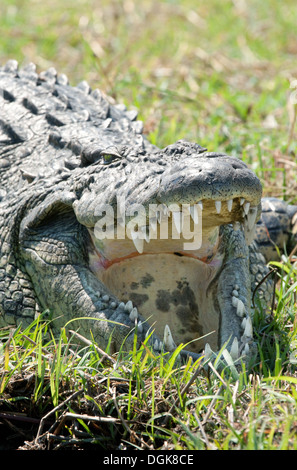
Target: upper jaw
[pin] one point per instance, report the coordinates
(168, 228)
(209, 176)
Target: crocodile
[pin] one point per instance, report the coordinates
(112, 235)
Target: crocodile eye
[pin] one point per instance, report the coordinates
(108, 158)
(110, 154)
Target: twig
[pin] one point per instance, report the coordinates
(113, 391)
(35, 344)
(99, 419)
(211, 405)
(90, 343)
(18, 417)
(217, 374)
(58, 407)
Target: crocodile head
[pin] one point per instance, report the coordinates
(168, 230)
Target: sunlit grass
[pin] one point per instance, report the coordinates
(214, 72)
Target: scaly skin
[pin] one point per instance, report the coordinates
(66, 153)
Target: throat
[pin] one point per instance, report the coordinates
(168, 288)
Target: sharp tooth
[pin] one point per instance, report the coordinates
(165, 209)
(162, 211)
(168, 340)
(248, 331)
(230, 204)
(272, 206)
(121, 306)
(139, 327)
(177, 221)
(156, 345)
(246, 349)
(133, 314)
(234, 301)
(243, 323)
(121, 221)
(236, 225)
(208, 352)
(144, 231)
(218, 206)
(249, 234)
(242, 200)
(194, 213)
(240, 308)
(251, 218)
(234, 351)
(129, 306)
(246, 208)
(138, 242)
(153, 223)
(186, 210)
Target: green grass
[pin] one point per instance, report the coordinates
(215, 72)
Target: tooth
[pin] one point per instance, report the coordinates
(156, 345)
(246, 349)
(208, 352)
(168, 340)
(133, 314)
(121, 221)
(138, 242)
(113, 304)
(105, 298)
(177, 221)
(249, 234)
(240, 308)
(153, 224)
(121, 306)
(272, 206)
(246, 208)
(234, 351)
(234, 301)
(165, 209)
(218, 206)
(162, 211)
(248, 331)
(144, 230)
(235, 293)
(194, 214)
(242, 201)
(229, 204)
(139, 327)
(251, 218)
(243, 323)
(129, 306)
(236, 225)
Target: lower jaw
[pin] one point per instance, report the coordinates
(168, 289)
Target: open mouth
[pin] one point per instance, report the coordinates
(189, 287)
